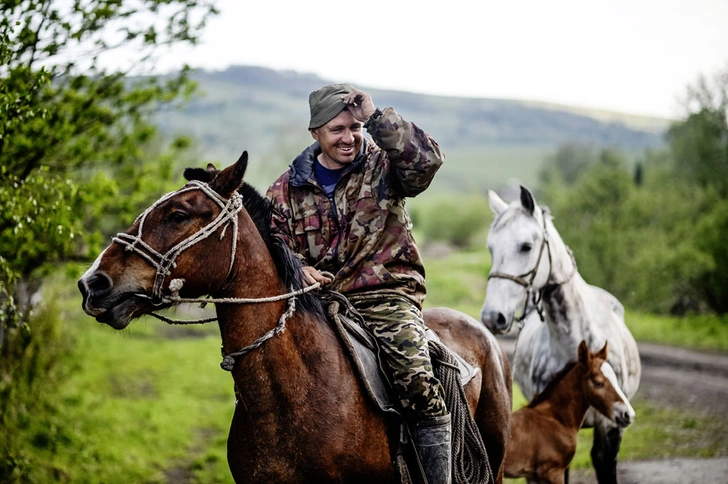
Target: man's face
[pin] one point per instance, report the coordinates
(340, 140)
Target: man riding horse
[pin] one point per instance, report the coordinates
(340, 207)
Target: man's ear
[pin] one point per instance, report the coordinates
(314, 133)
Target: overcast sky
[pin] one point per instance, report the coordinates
(634, 56)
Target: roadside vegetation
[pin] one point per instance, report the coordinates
(80, 157)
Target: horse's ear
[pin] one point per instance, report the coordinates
(604, 352)
(497, 205)
(527, 200)
(230, 179)
(583, 353)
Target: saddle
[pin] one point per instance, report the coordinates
(364, 352)
(451, 369)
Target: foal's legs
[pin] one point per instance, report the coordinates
(607, 440)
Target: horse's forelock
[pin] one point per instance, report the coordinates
(506, 218)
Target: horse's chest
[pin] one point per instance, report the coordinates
(538, 358)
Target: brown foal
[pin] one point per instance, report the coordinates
(543, 434)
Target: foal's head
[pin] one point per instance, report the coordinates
(600, 386)
(188, 236)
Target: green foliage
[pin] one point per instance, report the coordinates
(78, 158)
(654, 237)
(699, 143)
(29, 364)
(74, 135)
(452, 219)
(710, 240)
(637, 242)
(567, 163)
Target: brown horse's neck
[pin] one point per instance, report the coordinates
(291, 364)
(254, 276)
(566, 400)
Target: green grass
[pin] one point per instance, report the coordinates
(135, 406)
(151, 404)
(701, 332)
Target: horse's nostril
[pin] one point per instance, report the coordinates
(96, 284)
(82, 288)
(501, 319)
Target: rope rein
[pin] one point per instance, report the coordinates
(228, 360)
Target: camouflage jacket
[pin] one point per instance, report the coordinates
(364, 237)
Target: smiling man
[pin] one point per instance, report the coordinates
(341, 208)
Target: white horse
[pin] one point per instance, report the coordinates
(531, 266)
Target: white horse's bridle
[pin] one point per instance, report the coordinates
(536, 296)
(165, 262)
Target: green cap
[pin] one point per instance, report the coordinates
(326, 103)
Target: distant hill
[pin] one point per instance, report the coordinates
(486, 141)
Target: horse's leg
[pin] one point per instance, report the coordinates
(607, 440)
(566, 476)
(493, 412)
(554, 476)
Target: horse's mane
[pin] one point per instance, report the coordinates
(544, 395)
(287, 264)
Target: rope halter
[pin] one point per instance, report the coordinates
(164, 263)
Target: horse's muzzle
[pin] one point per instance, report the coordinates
(495, 321)
(97, 285)
(100, 301)
(623, 415)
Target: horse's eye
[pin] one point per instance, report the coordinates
(598, 384)
(177, 217)
(526, 247)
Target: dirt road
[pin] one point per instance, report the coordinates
(674, 378)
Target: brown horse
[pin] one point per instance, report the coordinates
(301, 414)
(543, 434)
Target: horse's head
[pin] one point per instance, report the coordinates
(168, 249)
(600, 386)
(519, 254)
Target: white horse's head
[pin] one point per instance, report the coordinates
(520, 260)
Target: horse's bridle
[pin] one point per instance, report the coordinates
(537, 296)
(229, 210)
(163, 263)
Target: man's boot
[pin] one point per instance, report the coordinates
(432, 439)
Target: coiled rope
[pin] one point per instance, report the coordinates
(470, 457)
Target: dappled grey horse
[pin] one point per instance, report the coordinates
(534, 280)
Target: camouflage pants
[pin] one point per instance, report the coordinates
(400, 329)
